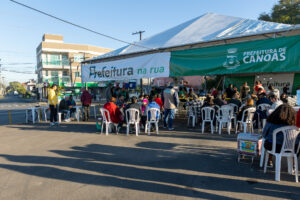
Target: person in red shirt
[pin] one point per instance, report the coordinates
(257, 86)
(86, 100)
(159, 101)
(114, 111)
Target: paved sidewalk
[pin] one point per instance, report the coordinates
(73, 162)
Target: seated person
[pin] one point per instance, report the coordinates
(275, 102)
(151, 104)
(120, 101)
(284, 98)
(262, 98)
(114, 112)
(284, 115)
(192, 94)
(235, 100)
(218, 100)
(208, 102)
(144, 114)
(249, 104)
(159, 101)
(140, 100)
(261, 114)
(71, 103)
(64, 108)
(134, 104)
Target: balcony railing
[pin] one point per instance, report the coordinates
(57, 62)
(57, 80)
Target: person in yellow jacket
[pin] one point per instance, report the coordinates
(52, 100)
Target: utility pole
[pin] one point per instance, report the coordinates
(140, 33)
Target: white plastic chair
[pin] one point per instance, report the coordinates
(225, 117)
(290, 134)
(107, 121)
(263, 107)
(262, 153)
(235, 111)
(152, 119)
(191, 114)
(246, 120)
(133, 117)
(208, 115)
(217, 111)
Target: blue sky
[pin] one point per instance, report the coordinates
(22, 29)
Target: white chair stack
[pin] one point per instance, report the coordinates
(133, 117)
(290, 134)
(225, 117)
(107, 121)
(152, 119)
(246, 120)
(208, 115)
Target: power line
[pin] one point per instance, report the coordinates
(20, 72)
(18, 63)
(78, 26)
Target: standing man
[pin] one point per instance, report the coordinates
(171, 101)
(86, 100)
(245, 90)
(52, 100)
(108, 93)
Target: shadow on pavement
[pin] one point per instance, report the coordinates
(150, 166)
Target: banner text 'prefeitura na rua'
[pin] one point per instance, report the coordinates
(145, 66)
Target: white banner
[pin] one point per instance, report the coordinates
(146, 66)
(279, 81)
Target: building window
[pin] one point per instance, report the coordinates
(65, 73)
(47, 74)
(78, 58)
(65, 59)
(54, 73)
(77, 74)
(54, 59)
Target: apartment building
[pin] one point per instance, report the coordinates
(59, 62)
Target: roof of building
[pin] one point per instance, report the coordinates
(205, 28)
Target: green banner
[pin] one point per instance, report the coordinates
(260, 56)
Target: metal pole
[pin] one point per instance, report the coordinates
(224, 77)
(71, 72)
(9, 116)
(140, 33)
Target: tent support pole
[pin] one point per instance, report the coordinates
(224, 77)
(141, 83)
(205, 89)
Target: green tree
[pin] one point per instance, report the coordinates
(286, 11)
(16, 86)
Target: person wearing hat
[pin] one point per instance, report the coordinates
(52, 100)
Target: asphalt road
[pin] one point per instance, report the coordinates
(16, 106)
(73, 162)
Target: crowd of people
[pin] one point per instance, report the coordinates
(166, 101)
(279, 114)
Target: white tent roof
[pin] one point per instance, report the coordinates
(208, 27)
